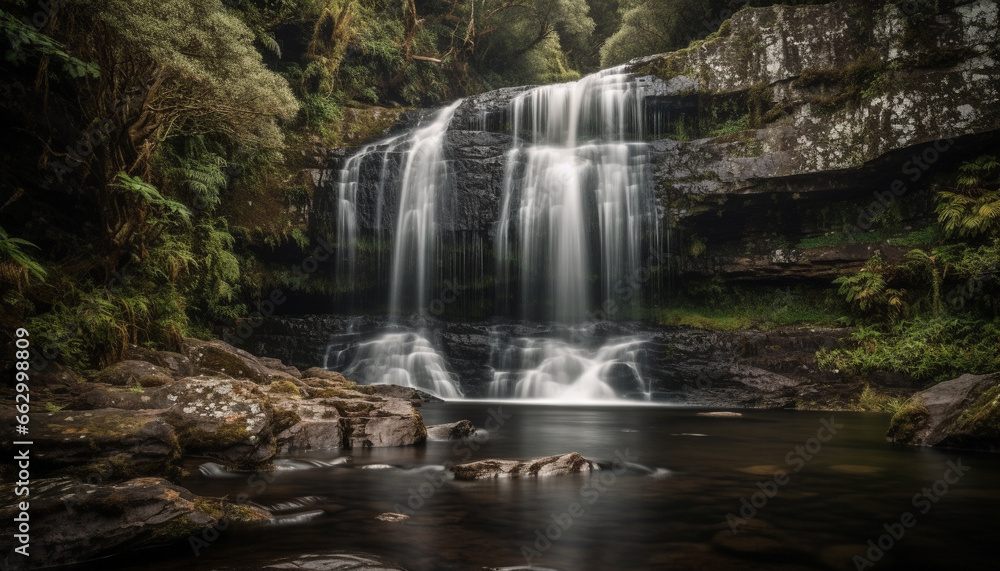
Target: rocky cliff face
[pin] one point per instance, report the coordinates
(786, 125)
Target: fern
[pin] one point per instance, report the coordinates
(15, 264)
(972, 208)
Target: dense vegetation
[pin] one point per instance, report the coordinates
(153, 148)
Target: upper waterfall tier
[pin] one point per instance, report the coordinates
(577, 202)
(575, 220)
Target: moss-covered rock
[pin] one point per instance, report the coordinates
(220, 358)
(104, 445)
(134, 373)
(960, 413)
(178, 365)
(73, 522)
(222, 418)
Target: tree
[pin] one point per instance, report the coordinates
(655, 26)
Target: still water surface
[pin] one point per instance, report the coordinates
(667, 511)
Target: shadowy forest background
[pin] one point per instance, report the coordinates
(152, 147)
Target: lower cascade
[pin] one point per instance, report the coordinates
(532, 368)
(407, 359)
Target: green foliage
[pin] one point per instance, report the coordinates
(868, 291)
(15, 264)
(874, 400)
(26, 40)
(716, 306)
(210, 78)
(973, 207)
(652, 26)
(925, 348)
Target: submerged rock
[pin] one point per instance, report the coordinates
(960, 413)
(335, 561)
(72, 522)
(557, 465)
(453, 431)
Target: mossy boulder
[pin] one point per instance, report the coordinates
(225, 419)
(178, 365)
(340, 415)
(220, 358)
(73, 522)
(960, 413)
(134, 373)
(104, 445)
(317, 426)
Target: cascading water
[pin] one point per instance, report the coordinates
(406, 359)
(424, 176)
(576, 226)
(578, 164)
(564, 371)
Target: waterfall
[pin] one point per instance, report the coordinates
(558, 369)
(416, 248)
(577, 237)
(406, 359)
(578, 164)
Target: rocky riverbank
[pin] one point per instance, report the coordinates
(106, 449)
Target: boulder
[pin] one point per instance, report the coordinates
(104, 445)
(178, 365)
(277, 365)
(415, 396)
(131, 373)
(72, 522)
(453, 431)
(56, 379)
(374, 422)
(558, 465)
(225, 419)
(960, 413)
(317, 428)
(101, 395)
(220, 358)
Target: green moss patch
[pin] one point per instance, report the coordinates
(908, 421)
